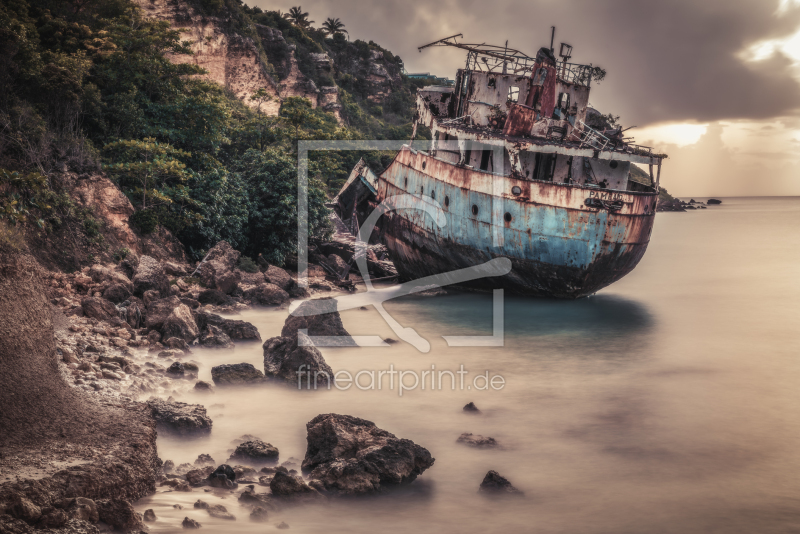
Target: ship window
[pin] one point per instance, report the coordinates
(474, 209)
(421, 190)
(492, 82)
(424, 163)
(613, 164)
(433, 195)
(507, 217)
(446, 201)
(486, 156)
(513, 94)
(516, 190)
(406, 182)
(563, 101)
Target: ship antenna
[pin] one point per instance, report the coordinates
(552, 39)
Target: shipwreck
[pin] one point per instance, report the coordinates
(517, 173)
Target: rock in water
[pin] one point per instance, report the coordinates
(220, 512)
(259, 514)
(294, 488)
(236, 374)
(238, 330)
(352, 456)
(150, 275)
(214, 338)
(266, 295)
(203, 387)
(190, 523)
(149, 515)
(119, 514)
(255, 452)
(296, 361)
(180, 418)
(321, 318)
(495, 484)
(223, 477)
(478, 441)
(471, 408)
(180, 324)
(712, 201)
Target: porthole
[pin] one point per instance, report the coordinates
(406, 182)
(613, 164)
(474, 209)
(421, 190)
(516, 190)
(433, 195)
(424, 163)
(507, 217)
(446, 201)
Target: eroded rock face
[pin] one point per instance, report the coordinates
(180, 418)
(255, 452)
(236, 374)
(352, 456)
(496, 484)
(321, 318)
(150, 275)
(295, 360)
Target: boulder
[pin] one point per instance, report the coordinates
(135, 313)
(471, 408)
(83, 509)
(52, 518)
(218, 270)
(24, 509)
(180, 418)
(495, 484)
(477, 441)
(236, 374)
(335, 262)
(259, 514)
(119, 514)
(223, 477)
(150, 275)
(175, 269)
(255, 452)
(180, 324)
(279, 277)
(100, 309)
(213, 297)
(149, 515)
(190, 523)
(213, 337)
(285, 485)
(199, 477)
(204, 459)
(352, 456)
(238, 330)
(176, 370)
(266, 295)
(176, 343)
(159, 310)
(116, 293)
(321, 318)
(713, 201)
(224, 254)
(294, 360)
(220, 512)
(150, 295)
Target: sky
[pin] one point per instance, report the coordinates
(713, 83)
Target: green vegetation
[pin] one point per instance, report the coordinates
(87, 86)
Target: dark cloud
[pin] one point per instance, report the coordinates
(668, 60)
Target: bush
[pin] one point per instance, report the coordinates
(247, 265)
(144, 220)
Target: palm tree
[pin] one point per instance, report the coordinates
(333, 26)
(299, 17)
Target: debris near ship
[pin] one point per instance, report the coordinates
(513, 171)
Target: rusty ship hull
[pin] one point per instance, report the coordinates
(559, 247)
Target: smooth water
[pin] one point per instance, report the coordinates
(668, 402)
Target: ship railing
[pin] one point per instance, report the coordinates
(574, 73)
(588, 136)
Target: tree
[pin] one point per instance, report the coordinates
(299, 17)
(297, 111)
(261, 96)
(333, 27)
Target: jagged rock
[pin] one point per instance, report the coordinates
(352, 456)
(266, 295)
(471, 408)
(293, 359)
(180, 418)
(321, 318)
(223, 477)
(494, 483)
(176, 369)
(116, 293)
(478, 441)
(218, 270)
(150, 275)
(193, 304)
(119, 514)
(214, 337)
(177, 344)
(236, 374)
(203, 387)
(149, 515)
(100, 309)
(199, 477)
(238, 330)
(214, 297)
(150, 295)
(259, 514)
(180, 324)
(279, 277)
(159, 310)
(255, 452)
(190, 523)
(175, 269)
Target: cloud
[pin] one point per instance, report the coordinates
(667, 60)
